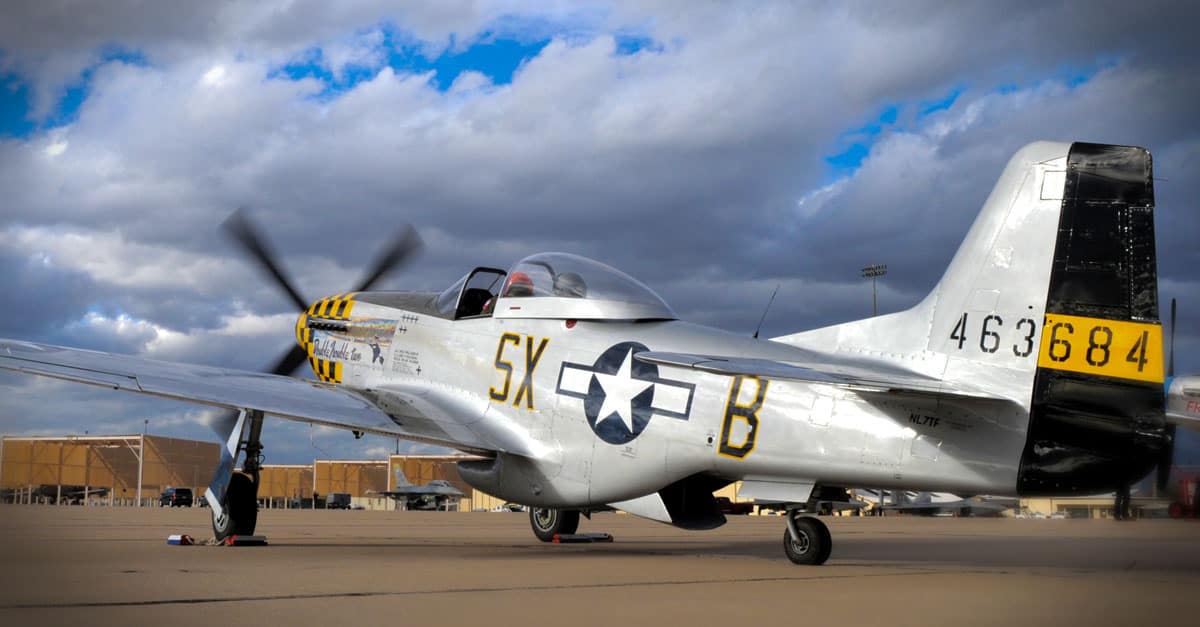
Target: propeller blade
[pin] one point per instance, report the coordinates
(1171, 344)
(285, 365)
(403, 245)
(245, 233)
(1165, 462)
(1167, 456)
(291, 360)
(223, 424)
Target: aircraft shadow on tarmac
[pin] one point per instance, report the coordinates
(1093, 553)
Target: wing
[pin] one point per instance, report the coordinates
(431, 415)
(858, 377)
(413, 491)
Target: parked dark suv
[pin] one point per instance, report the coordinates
(176, 497)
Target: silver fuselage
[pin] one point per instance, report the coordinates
(818, 433)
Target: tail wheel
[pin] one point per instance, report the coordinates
(812, 544)
(241, 508)
(547, 522)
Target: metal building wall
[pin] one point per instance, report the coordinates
(109, 462)
(36, 462)
(178, 463)
(357, 478)
(286, 486)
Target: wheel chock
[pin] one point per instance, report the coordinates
(571, 538)
(246, 541)
(180, 540)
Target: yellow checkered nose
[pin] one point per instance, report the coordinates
(325, 315)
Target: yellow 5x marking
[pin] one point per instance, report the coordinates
(1109, 348)
(532, 356)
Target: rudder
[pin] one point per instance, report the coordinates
(1096, 419)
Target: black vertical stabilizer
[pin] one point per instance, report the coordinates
(1091, 432)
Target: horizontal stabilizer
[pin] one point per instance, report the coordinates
(1183, 401)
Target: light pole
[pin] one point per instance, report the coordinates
(142, 459)
(873, 272)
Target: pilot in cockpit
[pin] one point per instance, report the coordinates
(569, 285)
(519, 284)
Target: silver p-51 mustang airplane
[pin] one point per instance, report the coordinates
(1035, 366)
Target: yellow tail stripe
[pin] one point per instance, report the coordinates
(1108, 348)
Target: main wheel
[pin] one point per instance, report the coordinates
(241, 508)
(547, 522)
(812, 545)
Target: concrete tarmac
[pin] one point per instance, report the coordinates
(102, 566)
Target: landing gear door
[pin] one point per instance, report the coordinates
(571, 427)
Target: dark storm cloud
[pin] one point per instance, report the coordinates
(697, 165)
(51, 296)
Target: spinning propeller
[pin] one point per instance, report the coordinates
(1168, 452)
(399, 250)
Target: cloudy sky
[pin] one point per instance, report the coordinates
(712, 151)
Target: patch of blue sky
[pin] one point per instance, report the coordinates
(311, 64)
(1072, 75)
(925, 108)
(1075, 75)
(853, 146)
(496, 53)
(15, 105)
(632, 43)
(495, 56)
(16, 96)
(849, 159)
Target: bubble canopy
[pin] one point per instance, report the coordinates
(562, 285)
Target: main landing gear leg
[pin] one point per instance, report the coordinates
(806, 540)
(233, 495)
(547, 522)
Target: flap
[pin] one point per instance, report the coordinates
(776, 491)
(650, 506)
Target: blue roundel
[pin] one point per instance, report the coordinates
(620, 394)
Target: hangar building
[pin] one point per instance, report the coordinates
(106, 470)
(109, 469)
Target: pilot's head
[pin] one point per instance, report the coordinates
(519, 284)
(569, 285)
